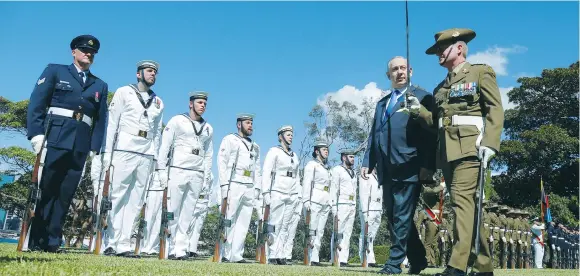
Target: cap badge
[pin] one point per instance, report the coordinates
(90, 42)
(455, 34)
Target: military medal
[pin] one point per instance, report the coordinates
(97, 96)
(157, 103)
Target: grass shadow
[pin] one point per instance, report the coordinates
(25, 259)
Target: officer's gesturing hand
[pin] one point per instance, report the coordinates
(36, 142)
(364, 173)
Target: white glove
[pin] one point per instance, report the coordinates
(106, 160)
(162, 178)
(511, 240)
(267, 199)
(413, 103)
(490, 238)
(519, 241)
(503, 239)
(307, 205)
(526, 244)
(36, 142)
(485, 154)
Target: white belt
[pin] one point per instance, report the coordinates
(519, 232)
(136, 132)
(71, 114)
(322, 187)
(290, 174)
(503, 230)
(496, 228)
(485, 224)
(457, 120)
(442, 231)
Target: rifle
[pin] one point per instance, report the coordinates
(223, 222)
(307, 233)
(166, 216)
(106, 204)
(258, 238)
(34, 194)
(365, 240)
(268, 228)
(336, 236)
(95, 207)
(142, 223)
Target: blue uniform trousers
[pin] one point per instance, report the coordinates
(61, 176)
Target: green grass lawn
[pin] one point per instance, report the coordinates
(78, 262)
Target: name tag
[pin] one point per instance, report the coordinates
(247, 173)
(326, 188)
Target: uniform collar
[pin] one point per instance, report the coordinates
(457, 68)
(80, 70)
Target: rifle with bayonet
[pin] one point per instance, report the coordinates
(142, 223)
(267, 228)
(307, 233)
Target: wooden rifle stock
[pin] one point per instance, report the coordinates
(307, 239)
(365, 244)
(336, 248)
(164, 233)
(258, 248)
(264, 235)
(28, 214)
(102, 220)
(222, 235)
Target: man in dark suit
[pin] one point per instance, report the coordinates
(403, 152)
(70, 103)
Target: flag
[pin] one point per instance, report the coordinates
(545, 208)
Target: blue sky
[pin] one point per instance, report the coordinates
(275, 59)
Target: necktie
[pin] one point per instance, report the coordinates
(392, 103)
(83, 76)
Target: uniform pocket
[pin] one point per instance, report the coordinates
(54, 131)
(468, 138)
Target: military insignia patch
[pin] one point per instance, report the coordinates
(157, 103)
(40, 81)
(97, 96)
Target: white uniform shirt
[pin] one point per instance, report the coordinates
(132, 119)
(316, 183)
(248, 167)
(343, 185)
(370, 190)
(285, 167)
(192, 144)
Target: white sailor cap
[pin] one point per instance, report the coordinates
(198, 95)
(285, 128)
(347, 151)
(148, 64)
(245, 116)
(320, 143)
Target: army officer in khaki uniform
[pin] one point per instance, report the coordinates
(469, 120)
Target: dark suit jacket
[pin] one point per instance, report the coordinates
(61, 86)
(400, 146)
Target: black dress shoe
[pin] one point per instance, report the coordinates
(416, 269)
(224, 260)
(273, 261)
(109, 252)
(315, 264)
(451, 271)
(374, 265)
(282, 261)
(127, 254)
(387, 270)
(242, 261)
(288, 262)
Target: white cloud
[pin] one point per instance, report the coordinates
(353, 95)
(505, 99)
(496, 57)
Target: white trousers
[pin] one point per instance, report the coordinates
(538, 255)
(292, 228)
(153, 219)
(130, 177)
(184, 186)
(281, 209)
(318, 217)
(346, 215)
(196, 224)
(239, 211)
(374, 223)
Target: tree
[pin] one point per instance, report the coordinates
(542, 140)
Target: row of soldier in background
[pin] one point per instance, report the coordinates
(515, 240)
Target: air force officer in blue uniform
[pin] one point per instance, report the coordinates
(400, 149)
(72, 103)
